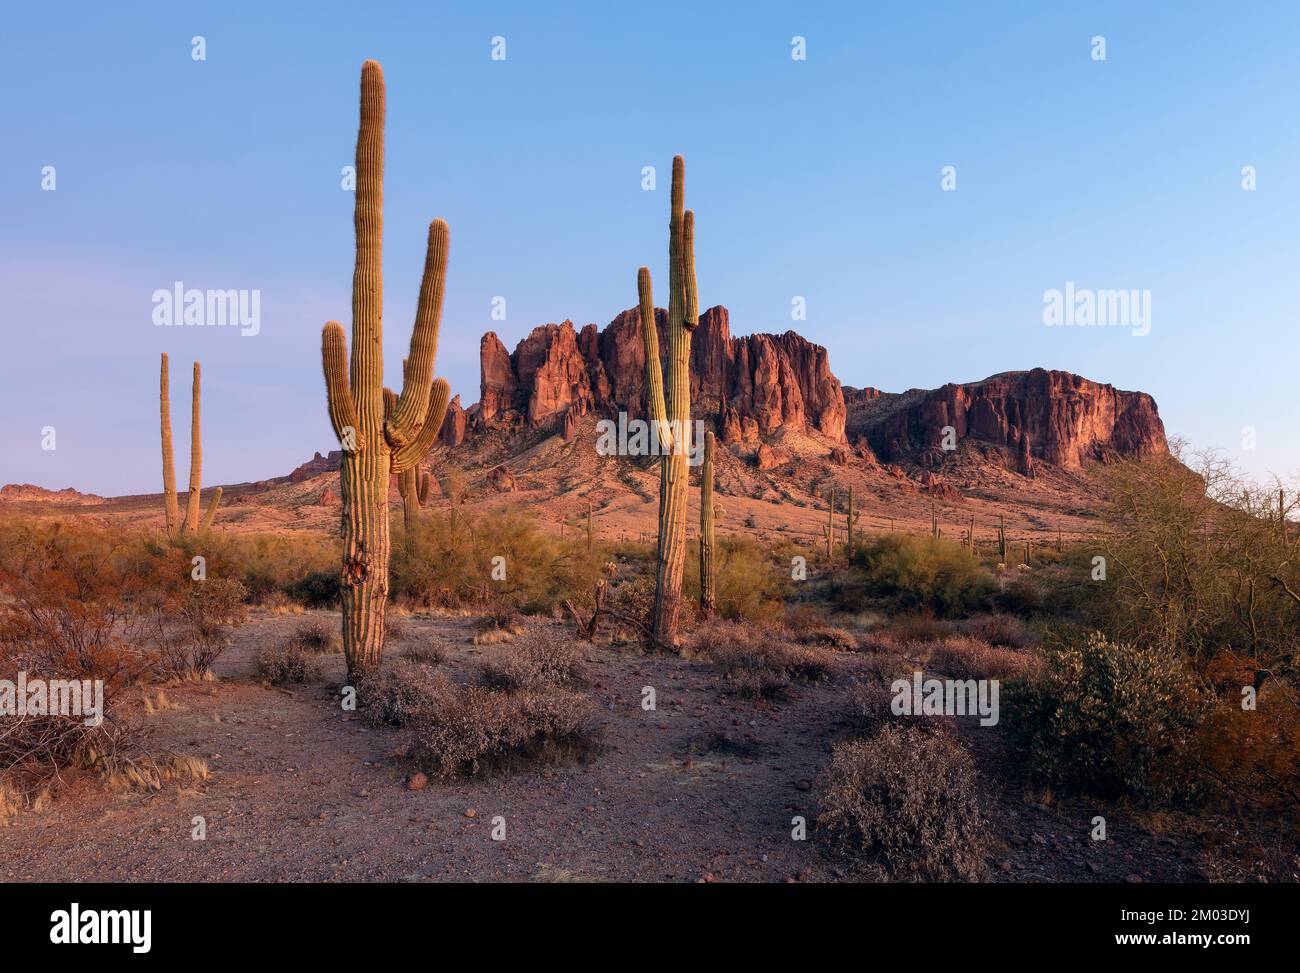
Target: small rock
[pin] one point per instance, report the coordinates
(418, 782)
(804, 785)
(471, 813)
(1133, 879)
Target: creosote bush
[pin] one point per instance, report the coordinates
(1107, 717)
(908, 798)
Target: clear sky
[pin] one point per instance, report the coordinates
(818, 178)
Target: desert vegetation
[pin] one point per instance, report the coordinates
(928, 693)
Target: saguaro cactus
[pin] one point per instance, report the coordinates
(851, 520)
(191, 524)
(829, 530)
(374, 446)
(671, 413)
(707, 580)
(1002, 539)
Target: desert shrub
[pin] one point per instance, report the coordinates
(453, 566)
(760, 659)
(750, 581)
(317, 637)
(500, 623)
(474, 730)
(77, 604)
(203, 617)
(1197, 561)
(907, 798)
(1251, 758)
(1021, 596)
(906, 633)
(965, 657)
(924, 573)
(426, 653)
(544, 660)
(400, 694)
(1107, 717)
(870, 702)
(317, 589)
(299, 565)
(284, 663)
(1004, 630)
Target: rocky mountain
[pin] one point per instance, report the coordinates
(752, 387)
(27, 493)
(1012, 447)
(755, 388)
(1038, 415)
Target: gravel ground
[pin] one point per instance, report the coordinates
(704, 787)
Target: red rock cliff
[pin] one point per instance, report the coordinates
(751, 386)
(1054, 416)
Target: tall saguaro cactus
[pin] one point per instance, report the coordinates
(671, 412)
(375, 446)
(708, 586)
(176, 527)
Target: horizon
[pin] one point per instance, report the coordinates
(819, 179)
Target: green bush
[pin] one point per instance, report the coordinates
(924, 573)
(319, 589)
(451, 562)
(751, 580)
(1106, 717)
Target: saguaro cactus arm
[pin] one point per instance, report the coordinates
(412, 410)
(654, 373)
(707, 582)
(196, 458)
(691, 305)
(342, 408)
(212, 510)
(171, 506)
(407, 456)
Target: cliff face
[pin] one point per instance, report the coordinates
(752, 386)
(1053, 416)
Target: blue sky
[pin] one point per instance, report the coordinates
(818, 178)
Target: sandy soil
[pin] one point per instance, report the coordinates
(702, 788)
